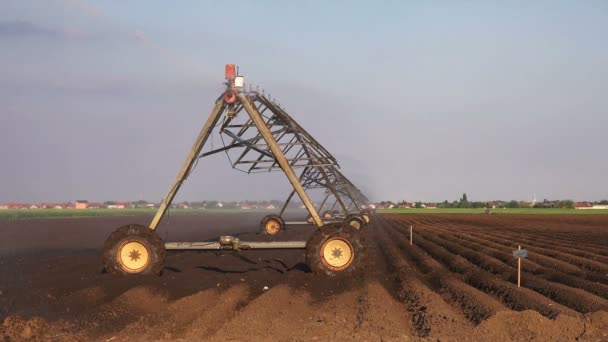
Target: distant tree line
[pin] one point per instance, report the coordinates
(464, 202)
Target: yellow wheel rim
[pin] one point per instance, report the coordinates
(355, 224)
(366, 218)
(337, 254)
(272, 227)
(133, 256)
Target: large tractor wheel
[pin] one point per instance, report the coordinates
(134, 249)
(355, 221)
(272, 224)
(335, 250)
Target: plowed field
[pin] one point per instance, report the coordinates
(458, 281)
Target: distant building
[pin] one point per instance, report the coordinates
(47, 205)
(81, 204)
(117, 205)
(17, 206)
(587, 205)
(3, 206)
(583, 205)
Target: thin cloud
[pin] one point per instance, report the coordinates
(82, 7)
(21, 28)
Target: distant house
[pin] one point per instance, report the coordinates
(117, 205)
(583, 205)
(270, 207)
(3, 206)
(587, 205)
(404, 206)
(50, 205)
(81, 204)
(17, 206)
(431, 206)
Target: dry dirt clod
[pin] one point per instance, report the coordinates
(27, 332)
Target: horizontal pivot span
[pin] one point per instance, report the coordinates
(235, 246)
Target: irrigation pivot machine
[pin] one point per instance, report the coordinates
(259, 136)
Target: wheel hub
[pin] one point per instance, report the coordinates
(337, 254)
(272, 227)
(133, 256)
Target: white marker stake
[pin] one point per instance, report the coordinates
(518, 268)
(411, 234)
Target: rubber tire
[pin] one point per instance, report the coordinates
(272, 217)
(369, 215)
(362, 223)
(143, 234)
(316, 240)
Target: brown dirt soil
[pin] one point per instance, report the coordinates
(455, 283)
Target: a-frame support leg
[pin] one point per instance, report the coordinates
(286, 203)
(187, 166)
(280, 157)
(333, 190)
(323, 203)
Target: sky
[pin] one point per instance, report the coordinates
(418, 100)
